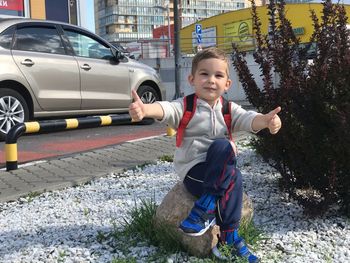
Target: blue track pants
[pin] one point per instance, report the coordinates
(219, 176)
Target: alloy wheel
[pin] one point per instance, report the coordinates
(11, 113)
(148, 97)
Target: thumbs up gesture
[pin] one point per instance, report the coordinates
(273, 121)
(137, 108)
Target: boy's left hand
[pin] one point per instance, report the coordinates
(273, 121)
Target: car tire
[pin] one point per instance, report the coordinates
(148, 95)
(13, 110)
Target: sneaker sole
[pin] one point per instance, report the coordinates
(216, 252)
(212, 223)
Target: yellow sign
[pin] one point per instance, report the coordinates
(240, 33)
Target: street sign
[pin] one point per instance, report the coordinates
(199, 33)
(207, 38)
(199, 39)
(198, 29)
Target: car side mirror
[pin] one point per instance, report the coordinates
(117, 54)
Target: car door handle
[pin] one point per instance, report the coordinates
(85, 67)
(27, 62)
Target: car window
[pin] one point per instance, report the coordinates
(6, 38)
(85, 46)
(39, 39)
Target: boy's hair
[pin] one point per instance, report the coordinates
(211, 52)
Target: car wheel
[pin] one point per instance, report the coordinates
(13, 110)
(148, 95)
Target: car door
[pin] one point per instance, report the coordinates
(53, 75)
(105, 83)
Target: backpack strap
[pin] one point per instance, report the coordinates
(226, 112)
(190, 104)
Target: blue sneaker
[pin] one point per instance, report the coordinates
(238, 248)
(201, 217)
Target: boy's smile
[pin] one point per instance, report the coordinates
(210, 80)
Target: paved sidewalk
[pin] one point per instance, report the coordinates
(80, 168)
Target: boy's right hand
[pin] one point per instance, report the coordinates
(137, 108)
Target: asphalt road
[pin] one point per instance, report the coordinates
(50, 145)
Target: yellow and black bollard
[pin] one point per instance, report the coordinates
(53, 126)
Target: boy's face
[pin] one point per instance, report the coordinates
(210, 80)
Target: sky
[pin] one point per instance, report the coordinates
(91, 17)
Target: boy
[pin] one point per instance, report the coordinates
(205, 159)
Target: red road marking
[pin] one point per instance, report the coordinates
(83, 145)
(63, 147)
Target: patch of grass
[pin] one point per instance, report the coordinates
(86, 211)
(251, 234)
(273, 257)
(30, 197)
(167, 158)
(140, 226)
(159, 256)
(141, 166)
(328, 256)
(101, 236)
(225, 251)
(137, 167)
(204, 260)
(61, 256)
(123, 260)
(247, 143)
(142, 221)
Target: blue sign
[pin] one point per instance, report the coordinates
(199, 39)
(198, 29)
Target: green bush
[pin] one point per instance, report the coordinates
(312, 150)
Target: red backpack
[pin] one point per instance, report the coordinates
(190, 104)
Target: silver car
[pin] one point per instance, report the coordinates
(51, 69)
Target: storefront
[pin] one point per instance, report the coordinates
(237, 27)
(63, 10)
(14, 8)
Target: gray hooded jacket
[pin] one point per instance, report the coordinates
(206, 125)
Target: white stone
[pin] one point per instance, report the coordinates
(38, 230)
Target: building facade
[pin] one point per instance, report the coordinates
(14, 8)
(69, 11)
(132, 20)
(237, 27)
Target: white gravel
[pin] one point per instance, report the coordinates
(62, 226)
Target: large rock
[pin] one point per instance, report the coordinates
(176, 206)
